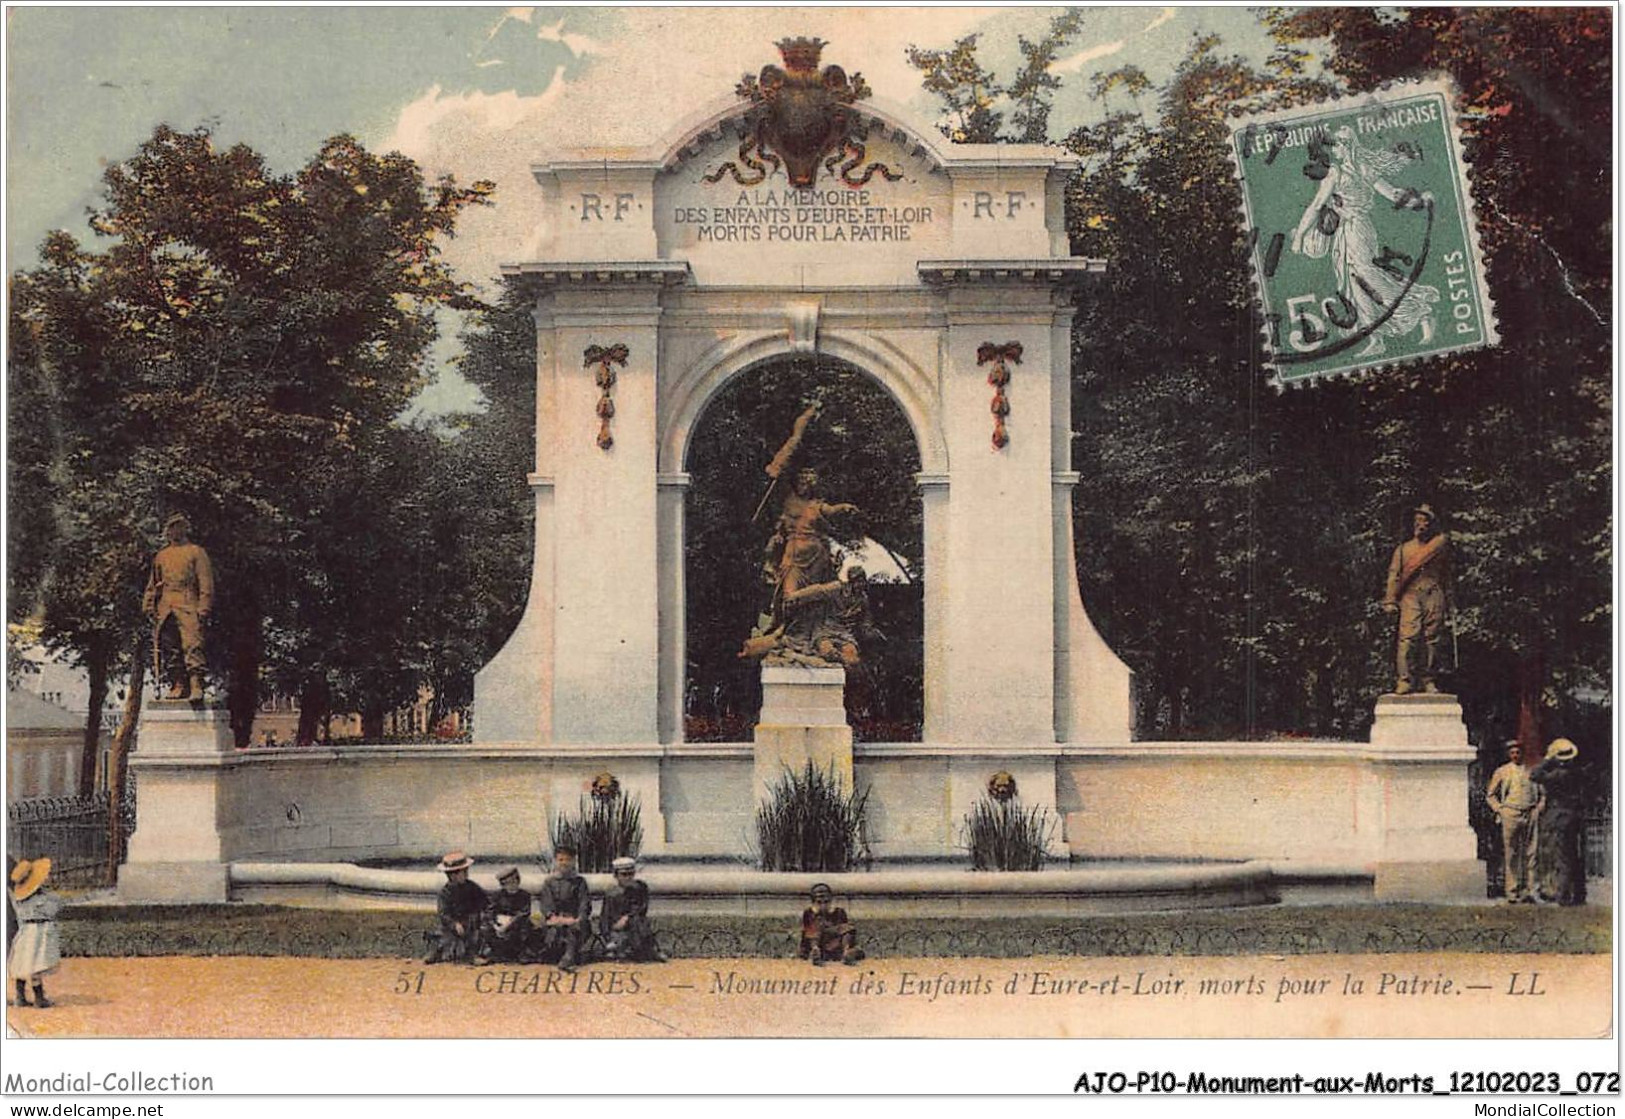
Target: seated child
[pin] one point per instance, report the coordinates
(826, 933)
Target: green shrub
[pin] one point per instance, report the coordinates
(601, 832)
(810, 822)
(1001, 835)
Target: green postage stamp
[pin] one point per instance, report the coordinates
(1360, 222)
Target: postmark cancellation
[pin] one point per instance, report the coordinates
(1359, 217)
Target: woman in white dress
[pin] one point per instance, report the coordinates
(37, 950)
(1338, 224)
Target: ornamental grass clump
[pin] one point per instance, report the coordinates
(1002, 835)
(810, 822)
(604, 830)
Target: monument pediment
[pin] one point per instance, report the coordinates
(803, 178)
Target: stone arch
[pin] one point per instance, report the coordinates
(901, 378)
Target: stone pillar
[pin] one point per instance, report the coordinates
(182, 765)
(1000, 640)
(934, 516)
(1419, 759)
(803, 720)
(606, 644)
(673, 650)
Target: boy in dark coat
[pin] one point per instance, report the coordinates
(624, 920)
(508, 935)
(566, 906)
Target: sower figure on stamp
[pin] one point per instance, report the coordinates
(180, 587)
(1567, 791)
(1418, 578)
(1516, 801)
(509, 928)
(566, 906)
(461, 909)
(826, 931)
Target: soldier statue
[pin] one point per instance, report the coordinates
(1418, 578)
(180, 589)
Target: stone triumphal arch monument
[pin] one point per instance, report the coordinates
(801, 217)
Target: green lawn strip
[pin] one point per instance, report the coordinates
(264, 930)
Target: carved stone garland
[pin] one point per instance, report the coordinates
(605, 377)
(1001, 357)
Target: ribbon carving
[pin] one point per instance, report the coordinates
(1001, 357)
(605, 359)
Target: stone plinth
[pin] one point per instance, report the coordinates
(176, 853)
(1420, 759)
(803, 720)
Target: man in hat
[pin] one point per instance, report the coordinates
(461, 909)
(37, 949)
(1516, 801)
(509, 934)
(624, 920)
(181, 586)
(1567, 791)
(566, 906)
(826, 931)
(1417, 589)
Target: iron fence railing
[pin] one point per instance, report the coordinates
(70, 831)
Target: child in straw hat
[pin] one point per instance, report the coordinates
(38, 947)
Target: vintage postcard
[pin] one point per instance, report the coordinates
(662, 524)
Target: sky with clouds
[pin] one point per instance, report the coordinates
(471, 91)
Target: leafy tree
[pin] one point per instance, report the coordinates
(1233, 539)
(235, 352)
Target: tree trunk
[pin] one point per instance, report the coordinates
(312, 710)
(243, 700)
(1531, 679)
(96, 667)
(116, 762)
(372, 723)
(437, 709)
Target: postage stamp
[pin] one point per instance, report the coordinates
(1359, 217)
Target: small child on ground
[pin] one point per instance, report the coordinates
(37, 950)
(826, 932)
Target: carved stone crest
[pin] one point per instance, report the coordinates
(801, 115)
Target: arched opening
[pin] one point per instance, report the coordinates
(863, 448)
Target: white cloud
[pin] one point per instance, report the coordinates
(1084, 57)
(1162, 17)
(578, 45)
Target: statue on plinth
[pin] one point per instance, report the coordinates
(180, 589)
(1418, 591)
(814, 616)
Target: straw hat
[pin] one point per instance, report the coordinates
(27, 877)
(455, 861)
(625, 862)
(1562, 750)
(509, 875)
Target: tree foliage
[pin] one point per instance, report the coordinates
(238, 351)
(1233, 539)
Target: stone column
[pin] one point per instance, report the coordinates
(1000, 640)
(934, 515)
(673, 650)
(606, 644)
(1419, 760)
(182, 766)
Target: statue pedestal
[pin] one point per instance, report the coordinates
(1419, 755)
(182, 758)
(803, 720)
